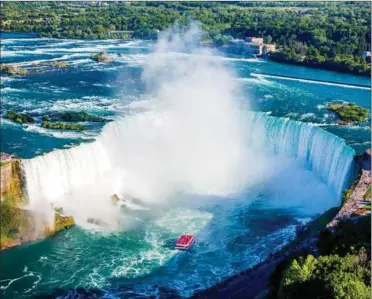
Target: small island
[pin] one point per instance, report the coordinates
(59, 121)
(63, 126)
(13, 70)
(71, 116)
(19, 117)
(102, 57)
(60, 64)
(349, 113)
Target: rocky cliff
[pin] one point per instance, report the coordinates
(18, 224)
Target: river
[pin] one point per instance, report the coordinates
(297, 172)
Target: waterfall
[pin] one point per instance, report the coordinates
(195, 137)
(324, 153)
(117, 162)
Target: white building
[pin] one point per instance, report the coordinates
(252, 46)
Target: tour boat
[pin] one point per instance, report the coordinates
(185, 242)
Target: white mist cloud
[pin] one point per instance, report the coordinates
(192, 139)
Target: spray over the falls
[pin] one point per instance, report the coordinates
(190, 140)
(193, 138)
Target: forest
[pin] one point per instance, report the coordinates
(330, 35)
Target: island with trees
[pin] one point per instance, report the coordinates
(58, 121)
(349, 113)
(19, 117)
(63, 126)
(73, 116)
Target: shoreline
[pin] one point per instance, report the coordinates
(318, 67)
(307, 65)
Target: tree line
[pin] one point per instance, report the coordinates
(323, 34)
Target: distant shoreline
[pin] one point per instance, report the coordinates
(319, 67)
(314, 66)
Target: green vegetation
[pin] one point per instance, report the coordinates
(327, 277)
(18, 117)
(57, 121)
(12, 220)
(341, 271)
(60, 223)
(63, 126)
(102, 57)
(346, 195)
(349, 238)
(367, 206)
(4, 163)
(329, 35)
(349, 112)
(71, 116)
(13, 70)
(17, 225)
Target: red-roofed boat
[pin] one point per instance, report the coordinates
(185, 242)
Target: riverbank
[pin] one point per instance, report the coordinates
(342, 66)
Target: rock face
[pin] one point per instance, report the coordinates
(364, 160)
(357, 200)
(13, 70)
(102, 57)
(19, 225)
(11, 179)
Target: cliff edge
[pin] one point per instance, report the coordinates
(18, 224)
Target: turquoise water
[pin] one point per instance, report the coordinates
(111, 90)
(233, 232)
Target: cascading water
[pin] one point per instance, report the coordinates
(251, 180)
(99, 169)
(194, 138)
(322, 152)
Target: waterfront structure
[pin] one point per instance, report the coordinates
(251, 46)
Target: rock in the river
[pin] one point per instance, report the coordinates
(102, 57)
(13, 70)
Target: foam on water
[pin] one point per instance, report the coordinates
(310, 81)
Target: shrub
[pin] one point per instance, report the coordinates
(63, 126)
(349, 112)
(18, 117)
